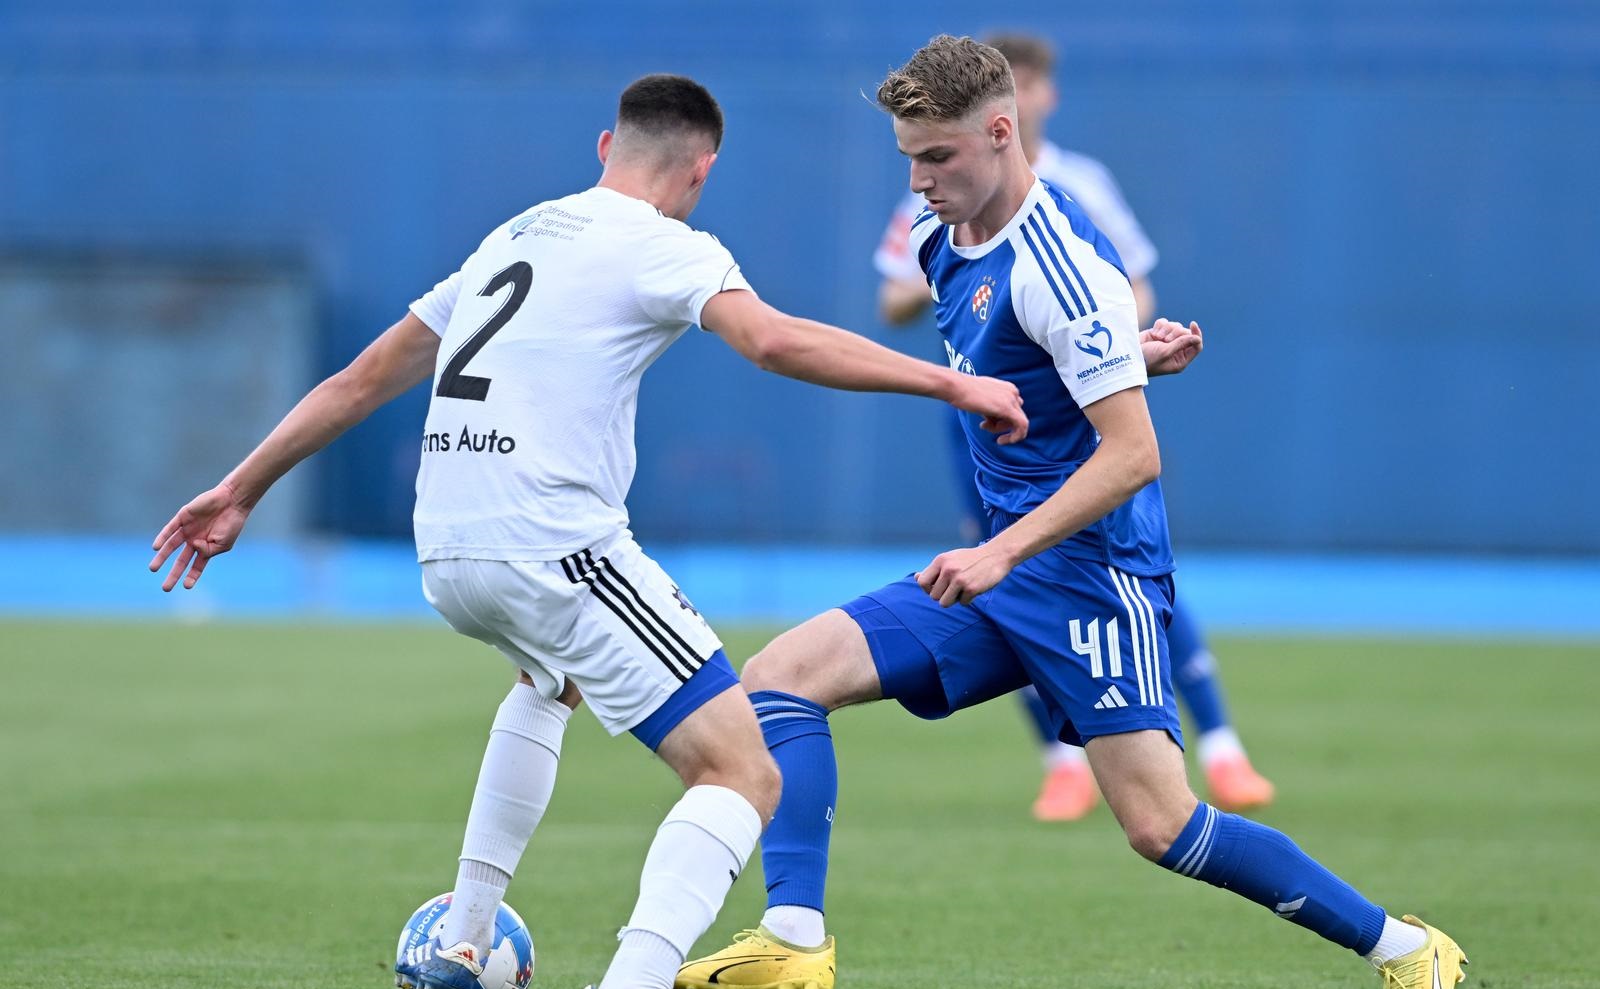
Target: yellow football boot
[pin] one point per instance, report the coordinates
(759, 960)
(1435, 965)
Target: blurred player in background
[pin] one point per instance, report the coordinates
(536, 347)
(1068, 791)
(1071, 593)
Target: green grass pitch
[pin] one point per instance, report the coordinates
(262, 806)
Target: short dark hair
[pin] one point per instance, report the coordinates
(946, 79)
(1024, 51)
(661, 104)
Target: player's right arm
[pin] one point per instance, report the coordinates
(1126, 459)
(401, 357)
(827, 355)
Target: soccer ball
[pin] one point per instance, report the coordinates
(510, 961)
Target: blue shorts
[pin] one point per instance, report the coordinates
(1092, 639)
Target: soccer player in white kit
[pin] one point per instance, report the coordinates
(1068, 790)
(536, 347)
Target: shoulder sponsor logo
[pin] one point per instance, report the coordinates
(1104, 366)
(520, 225)
(549, 221)
(1087, 342)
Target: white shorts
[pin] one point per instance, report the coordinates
(608, 617)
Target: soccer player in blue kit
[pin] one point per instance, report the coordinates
(1068, 791)
(1072, 592)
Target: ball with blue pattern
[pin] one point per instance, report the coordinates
(510, 961)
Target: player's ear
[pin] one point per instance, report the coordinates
(702, 168)
(604, 147)
(1002, 127)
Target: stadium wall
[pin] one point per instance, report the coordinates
(1382, 214)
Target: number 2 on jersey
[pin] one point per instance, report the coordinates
(454, 384)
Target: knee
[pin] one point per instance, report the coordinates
(825, 661)
(787, 666)
(766, 670)
(748, 770)
(1151, 833)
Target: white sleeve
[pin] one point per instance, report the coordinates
(894, 258)
(1102, 201)
(1080, 309)
(679, 272)
(435, 307)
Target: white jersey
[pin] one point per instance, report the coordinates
(528, 450)
(1085, 181)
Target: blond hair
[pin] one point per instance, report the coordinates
(946, 79)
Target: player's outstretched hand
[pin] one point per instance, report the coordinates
(998, 402)
(960, 575)
(1170, 347)
(205, 527)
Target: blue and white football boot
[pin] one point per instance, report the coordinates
(434, 966)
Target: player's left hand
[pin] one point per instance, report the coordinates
(205, 527)
(960, 575)
(998, 402)
(1170, 347)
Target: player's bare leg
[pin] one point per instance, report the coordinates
(1142, 776)
(732, 787)
(800, 677)
(825, 660)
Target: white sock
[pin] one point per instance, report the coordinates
(800, 926)
(1398, 938)
(1220, 743)
(651, 958)
(514, 784)
(1058, 754)
(698, 851)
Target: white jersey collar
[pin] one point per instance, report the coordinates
(606, 191)
(1035, 194)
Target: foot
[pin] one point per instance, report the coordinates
(759, 960)
(1235, 785)
(1068, 793)
(1437, 964)
(432, 966)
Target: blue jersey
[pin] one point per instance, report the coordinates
(1045, 305)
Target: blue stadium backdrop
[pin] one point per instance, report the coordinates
(1384, 216)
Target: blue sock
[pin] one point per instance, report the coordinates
(1263, 865)
(1194, 671)
(1037, 715)
(794, 851)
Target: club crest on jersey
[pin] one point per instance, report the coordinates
(1086, 343)
(981, 298)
